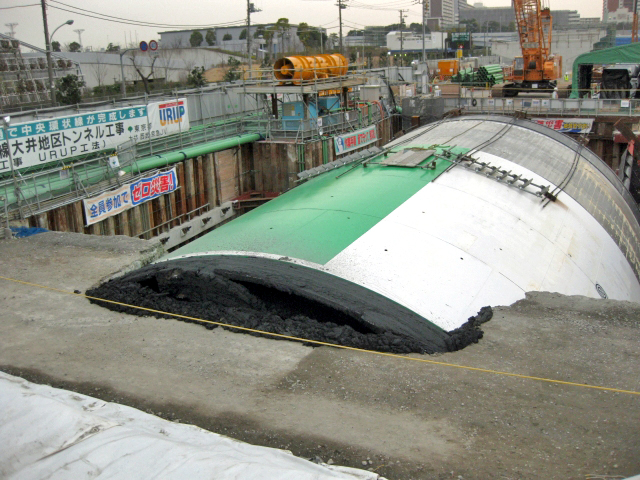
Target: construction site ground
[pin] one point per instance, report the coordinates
(402, 418)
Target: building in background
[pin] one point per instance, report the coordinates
(412, 42)
(617, 11)
(505, 17)
(483, 15)
(442, 13)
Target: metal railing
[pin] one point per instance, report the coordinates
(39, 191)
(307, 128)
(546, 106)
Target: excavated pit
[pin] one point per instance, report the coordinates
(283, 298)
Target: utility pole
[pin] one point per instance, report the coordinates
(48, 48)
(424, 19)
(401, 39)
(79, 32)
(250, 9)
(341, 6)
(634, 25)
(12, 30)
(249, 38)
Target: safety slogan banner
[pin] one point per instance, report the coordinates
(62, 138)
(353, 140)
(117, 201)
(567, 125)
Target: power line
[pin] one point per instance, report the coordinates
(21, 6)
(142, 24)
(384, 6)
(130, 20)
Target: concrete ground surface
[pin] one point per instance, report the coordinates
(402, 418)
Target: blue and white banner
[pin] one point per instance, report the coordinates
(62, 138)
(117, 201)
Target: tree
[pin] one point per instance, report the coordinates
(243, 34)
(75, 47)
(176, 42)
(165, 55)
(196, 77)
(234, 73)
(227, 36)
(334, 39)
(55, 46)
(99, 70)
(281, 27)
(472, 25)
(69, 90)
(195, 39)
(144, 78)
(210, 37)
(111, 48)
(268, 38)
(311, 37)
(493, 26)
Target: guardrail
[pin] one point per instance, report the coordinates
(546, 106)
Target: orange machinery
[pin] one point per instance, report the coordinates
(537, 69)
(448, 68)
(298, 69)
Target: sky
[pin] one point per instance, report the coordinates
(187, 14)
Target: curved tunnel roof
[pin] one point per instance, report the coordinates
(557, 158)
(413, 225)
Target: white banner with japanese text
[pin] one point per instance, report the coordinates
(353, 140)
(170, 117)
(117, 201)
(567, 125)
(62, 138)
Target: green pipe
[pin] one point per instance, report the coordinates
(53, 182)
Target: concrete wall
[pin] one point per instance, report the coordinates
(180, 39)
(413, 42)
(100, 68)
(568, 43)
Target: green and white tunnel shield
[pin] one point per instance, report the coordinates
(441, 244)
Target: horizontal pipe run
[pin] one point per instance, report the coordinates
(53, 182)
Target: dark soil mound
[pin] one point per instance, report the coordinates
(209, 294)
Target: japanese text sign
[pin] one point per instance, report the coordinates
(567, 125)
(353, 140)
(59, 139)
(117, 201)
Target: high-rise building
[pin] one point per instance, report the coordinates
(442, 13)
(616, 11)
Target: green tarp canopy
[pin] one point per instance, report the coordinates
(622, 54)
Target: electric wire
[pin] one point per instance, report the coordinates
(21, 6)
(130, 20)
(148, 24)
(327, 344)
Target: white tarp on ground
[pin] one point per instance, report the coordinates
(51, 433)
